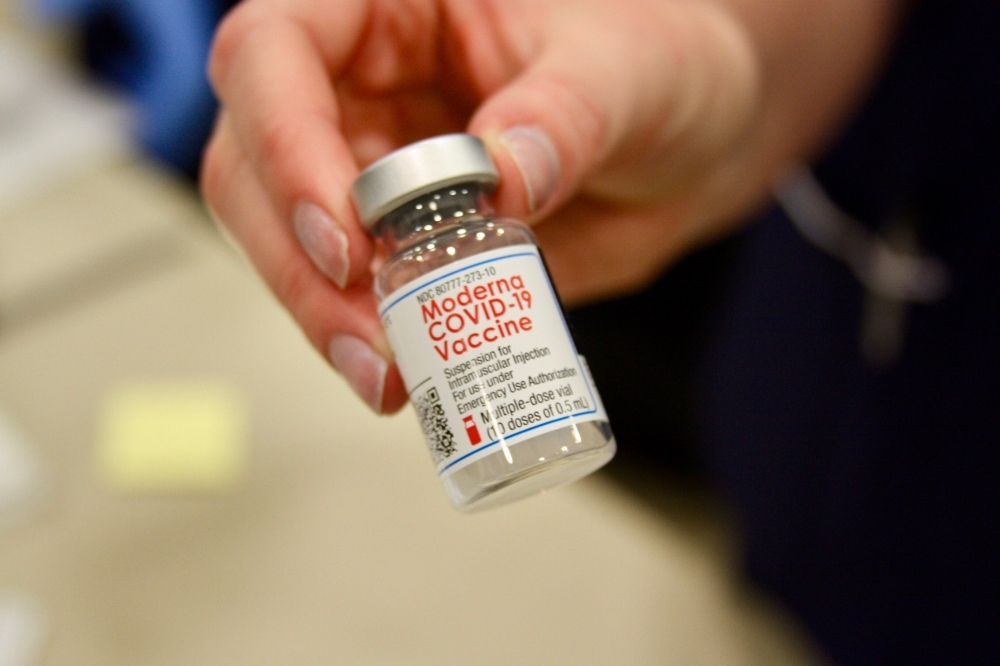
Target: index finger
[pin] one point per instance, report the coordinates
(273, 79)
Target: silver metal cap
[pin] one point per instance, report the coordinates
(417, 169)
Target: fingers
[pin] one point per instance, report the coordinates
(617, 104)
(274, 83)
(624, 105)
(342, 324)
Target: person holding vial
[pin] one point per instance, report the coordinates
(627, 134)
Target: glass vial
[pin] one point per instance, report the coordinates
(506, 403)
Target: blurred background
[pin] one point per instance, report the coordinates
(184, 481)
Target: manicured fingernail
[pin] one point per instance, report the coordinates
(537, 159)
(363, 369)
(323, 240)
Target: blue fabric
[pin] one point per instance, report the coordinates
(164, 73)
(869, 496)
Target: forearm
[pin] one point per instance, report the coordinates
(816, 61)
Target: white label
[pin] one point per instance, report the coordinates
(486, 355)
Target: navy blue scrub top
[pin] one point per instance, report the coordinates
(868, 494)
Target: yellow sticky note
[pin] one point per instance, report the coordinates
(177, 436)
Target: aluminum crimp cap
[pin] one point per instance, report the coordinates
(417, 169)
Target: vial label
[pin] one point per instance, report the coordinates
(486, 356)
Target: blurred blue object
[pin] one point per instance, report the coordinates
(156, 50)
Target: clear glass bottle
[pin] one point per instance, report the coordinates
(507, 404)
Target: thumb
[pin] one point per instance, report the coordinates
(621, 103)
(545, 133)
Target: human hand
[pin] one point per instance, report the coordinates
(620, 129)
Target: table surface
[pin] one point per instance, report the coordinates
(339, 547)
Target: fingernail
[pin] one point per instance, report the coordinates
(363, 369)
(323, 240)
(537, 159)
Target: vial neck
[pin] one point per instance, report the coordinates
(431, 214)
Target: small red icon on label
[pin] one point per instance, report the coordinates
(472, 430)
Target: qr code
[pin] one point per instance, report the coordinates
(440, 439)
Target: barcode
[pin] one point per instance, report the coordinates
(440, 439)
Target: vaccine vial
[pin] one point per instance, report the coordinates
(507, 405)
